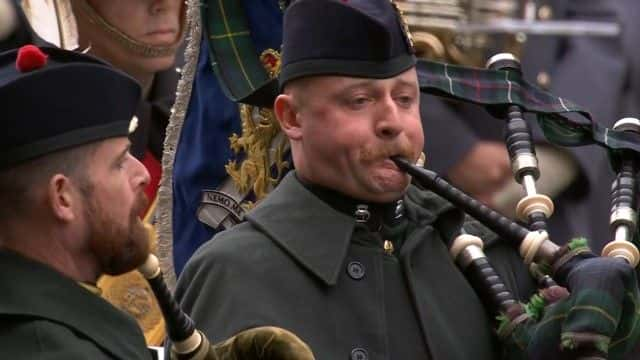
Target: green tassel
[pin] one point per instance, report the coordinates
(535, 307)
(540, 269)
(603, 345)
(567, 343)
(578, 243)
(503, 322)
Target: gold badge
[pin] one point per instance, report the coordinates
(404, 25)
(271, 60)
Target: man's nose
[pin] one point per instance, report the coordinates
(157, 6)
(141, 176)
(388, 124)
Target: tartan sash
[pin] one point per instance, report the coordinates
(233, 56)
(494, 89)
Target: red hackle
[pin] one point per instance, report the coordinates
(30, 58)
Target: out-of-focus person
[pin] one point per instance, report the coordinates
(15, 29)
(142, 38)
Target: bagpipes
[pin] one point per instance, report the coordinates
(188, 343)
(599, 319)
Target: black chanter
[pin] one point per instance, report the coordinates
(188, 343)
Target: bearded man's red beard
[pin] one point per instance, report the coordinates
(119, 249)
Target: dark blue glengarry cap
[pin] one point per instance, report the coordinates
(53, 99)
(359, 38)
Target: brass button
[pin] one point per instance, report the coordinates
(545, 12)
(388, 247)
(543, 79)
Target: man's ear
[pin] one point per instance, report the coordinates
(287, 115)
(61, 198)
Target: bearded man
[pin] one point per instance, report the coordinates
(71, 198)
(72, 194)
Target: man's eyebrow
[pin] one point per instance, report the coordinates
(123, 154)
(364, 83)
(406, 83)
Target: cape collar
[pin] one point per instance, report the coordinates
(315, 234)
(307, 228)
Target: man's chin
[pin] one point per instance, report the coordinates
(384, 193)
(126, 262)
(390, 181)
(133, 254)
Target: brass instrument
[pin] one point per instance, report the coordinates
(466, 31)
(436, 25)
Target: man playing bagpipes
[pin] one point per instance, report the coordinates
(350, 257)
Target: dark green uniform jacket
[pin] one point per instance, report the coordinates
(298, 263)
(45, 315)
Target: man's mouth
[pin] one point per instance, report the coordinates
(161, 36)
(387, 163)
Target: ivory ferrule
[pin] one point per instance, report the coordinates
(623, 216)
(469, 254)
(536, 246)
(534, 203)
(622, 249)
(151, 267)
(523, 164)
(461, 242)
(188, 345)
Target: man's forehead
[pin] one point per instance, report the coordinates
(407, 78)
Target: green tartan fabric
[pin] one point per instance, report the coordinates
(601, 317)
(494, 89)
(233, 54)
(540, 340)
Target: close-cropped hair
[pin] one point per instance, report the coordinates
(17, 184)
